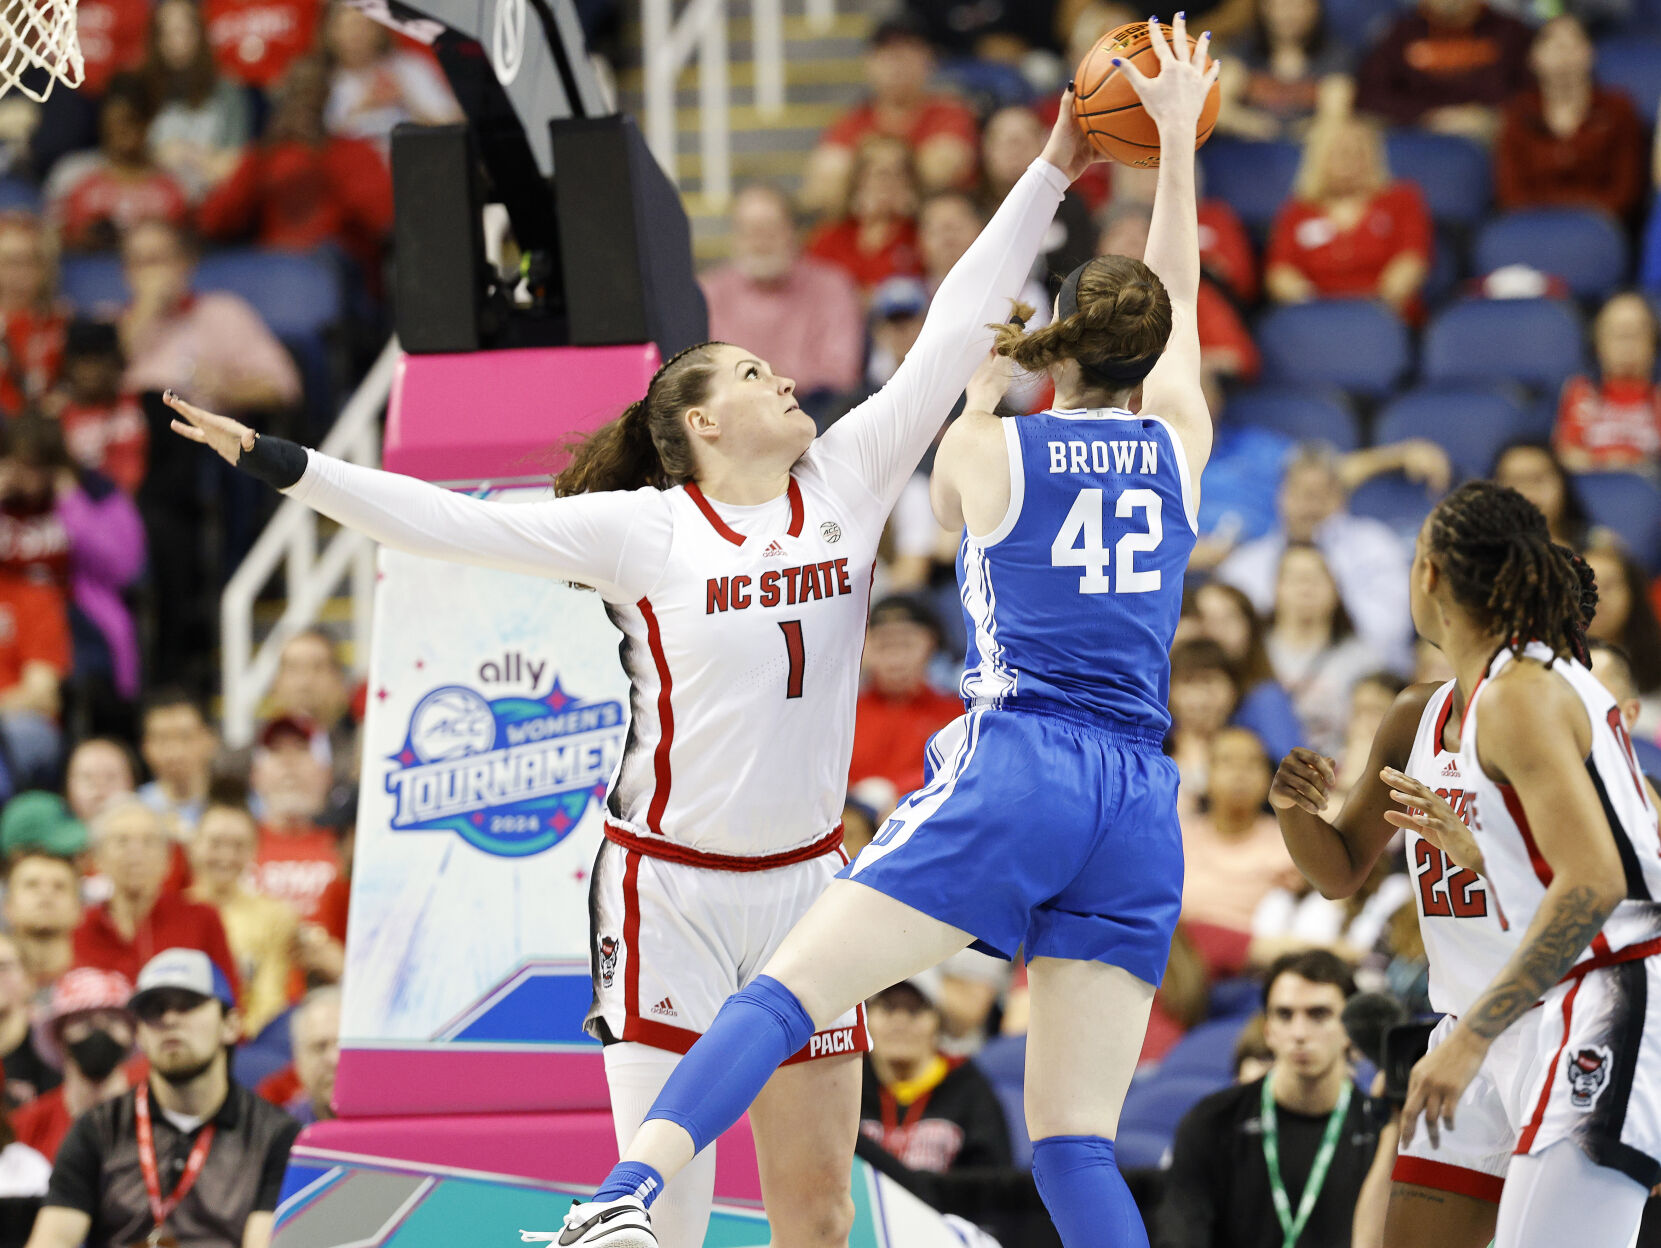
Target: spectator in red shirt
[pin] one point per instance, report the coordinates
(939, 131)
(1568, 140)
(203, 120)
(1613, 421)
(377, 85)
(34, 657)
(33, 317)
(112, 39)
(298, 858)
(898, 709)
(255, 41)
(103, 426)
(97, 196)
(1448, 67)
(876, 237)
(131, 846)
(87, 1032)
(801, 315)
(299, 187)
(1349, 231)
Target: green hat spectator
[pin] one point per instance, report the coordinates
(39, 820)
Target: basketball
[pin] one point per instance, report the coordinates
(1107, 107)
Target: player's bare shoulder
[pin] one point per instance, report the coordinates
(970, 482)
(1525, 705)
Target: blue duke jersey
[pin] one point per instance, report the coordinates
(1074, 598)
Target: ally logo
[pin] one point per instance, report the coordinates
(511, 776)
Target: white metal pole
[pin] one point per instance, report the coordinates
(659, 73)
(821, 13)
(767, 52)
(714, 100)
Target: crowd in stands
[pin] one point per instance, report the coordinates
(1383, 177)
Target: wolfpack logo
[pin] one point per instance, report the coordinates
(608, 960)
(1588, 1072)
(510, 775)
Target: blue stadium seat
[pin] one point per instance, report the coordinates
(1206, 1050)
(19, 195)
(1358, 23)
(1470, 423)
(1534, 342)
(1003, 1060)
(1238, 997)
(1301, 413)
(1137, 1149)
(1156, 1104)
(94, 285)
(1354, 344)
(1586, 249)
(1452, 173)
(296, 293)
(989, 84)
(1252, 178)
(1629, 504)
(1447, 269)
(1633, 64)
(1398, 502)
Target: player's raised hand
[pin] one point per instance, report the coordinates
(1068, 148)
(986, 388)
(1304, 781)
(1176, 96)
(1433, 819)
(226, 436)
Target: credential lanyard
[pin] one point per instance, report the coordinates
(159, 1208)
(1292, 1227)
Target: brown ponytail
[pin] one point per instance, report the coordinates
(1123, 314)
(647, 445)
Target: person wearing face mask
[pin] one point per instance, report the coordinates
(210, 1154)
(88, 1034)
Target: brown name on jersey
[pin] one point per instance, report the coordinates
(779, 586)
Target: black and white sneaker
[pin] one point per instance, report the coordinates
(621, 1223)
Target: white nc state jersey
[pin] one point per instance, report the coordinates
(744, 660)
(1471, 925)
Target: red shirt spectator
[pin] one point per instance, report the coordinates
(34, 628)
(34, 355)
(1429, 65)
(255, 41)
(172, 923)
(112, 39)
(97, 196)
(898, 711)
(333, 905)
(1226, 250)
(109, 438)
(1225, 343)
(1614, 421)
(1339, 260)
(297, 866)
(932, 117)
(845, 245)
(877, 236)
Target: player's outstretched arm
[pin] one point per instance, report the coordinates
(584, 538)
(1174, 99)
(1337, 856)
(1532, 731)
(885, 437)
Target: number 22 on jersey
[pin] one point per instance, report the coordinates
(1080, 544)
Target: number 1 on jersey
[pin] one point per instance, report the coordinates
(792, 630)
(1084, 520)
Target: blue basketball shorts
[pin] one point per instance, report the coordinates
(1043, 832)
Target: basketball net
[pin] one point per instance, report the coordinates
(39, 34)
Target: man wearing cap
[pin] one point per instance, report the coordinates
(133, 849)
(185, 1157)
(298, 858)
(939, 130)
(898, 709)
(87, 1033)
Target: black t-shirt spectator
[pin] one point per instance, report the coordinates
(1217, 1193)
(27, 1074)
(958, 1124)
(98, 1172)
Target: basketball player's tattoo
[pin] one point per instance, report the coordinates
(1417, 1193)
(1576, 917)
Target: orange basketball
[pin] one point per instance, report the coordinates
(1107, 107)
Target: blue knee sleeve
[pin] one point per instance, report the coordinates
(759, 1028)
(1085, 1193)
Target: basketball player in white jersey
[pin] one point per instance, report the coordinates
(735, 554)
(1533, 843)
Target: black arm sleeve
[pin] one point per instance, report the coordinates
(276, 461)
(1188, 1214)
(271, 1173)
(77, 1174)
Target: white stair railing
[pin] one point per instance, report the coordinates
(290, 542)
(669, 43)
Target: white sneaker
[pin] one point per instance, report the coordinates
(621, 1223)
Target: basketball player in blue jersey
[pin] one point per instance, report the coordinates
(1048, 822)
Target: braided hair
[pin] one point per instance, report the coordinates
(1500, 561)
(648, 443)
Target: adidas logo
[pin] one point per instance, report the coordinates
(774, 550)
(1450, 768)
(664, 1006)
